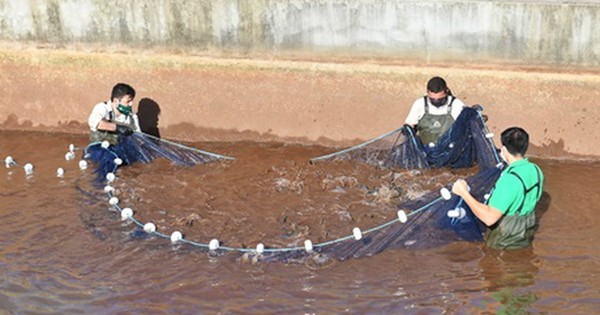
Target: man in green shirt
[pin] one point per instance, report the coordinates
(509, 213)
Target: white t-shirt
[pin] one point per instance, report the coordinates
(104, 111)
(417, 111)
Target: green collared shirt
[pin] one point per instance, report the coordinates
(509, 195)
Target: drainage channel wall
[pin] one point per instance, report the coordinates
(565, 33)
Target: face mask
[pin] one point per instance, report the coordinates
(502, 152)
(125, 110)
(439, 101)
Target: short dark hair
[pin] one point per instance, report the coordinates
(516, 140)
(436, 84)
(122, 89)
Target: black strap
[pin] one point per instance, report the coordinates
(452, 98)
(111, 116)
(528, 190)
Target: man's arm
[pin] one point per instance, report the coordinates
(96, 120)
(121, 129)
(417, 111)
(457, 107)
(485, 213)
(107, 126)
(136, 123)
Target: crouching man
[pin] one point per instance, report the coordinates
(114, 118)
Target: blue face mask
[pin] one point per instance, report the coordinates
(125, 110)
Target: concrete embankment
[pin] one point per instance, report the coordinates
(543, 32)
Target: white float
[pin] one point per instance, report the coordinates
(9, 161)
(357, 233)
(110, 177)
(214, 244)
(260, 248)
(176, 237)
(28, 168)
(113, 201)
(308, 246)
(445, 193)
(69, 156)
(402, 216)
(149, 227)
(458, 213)
(83, 165)
(126, 213)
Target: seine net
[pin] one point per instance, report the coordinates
(433, 219)
(463, 145)
(144, 148)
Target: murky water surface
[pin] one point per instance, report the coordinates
(64, 251)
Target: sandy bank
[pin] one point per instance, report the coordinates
(207, 98)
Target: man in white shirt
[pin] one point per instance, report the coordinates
(115, 117)
(432, 115)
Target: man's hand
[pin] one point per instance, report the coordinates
(124, 130)
(477, 107)
(460, 188)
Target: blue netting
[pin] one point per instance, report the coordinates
(429, 224)
(144, 148)
(467, 143)
(463, 145)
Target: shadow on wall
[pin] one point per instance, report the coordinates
(148, 112)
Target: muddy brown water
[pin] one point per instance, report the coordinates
(63, 251)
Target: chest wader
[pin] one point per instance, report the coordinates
(515, 231)
(431, 127)
(110, 136)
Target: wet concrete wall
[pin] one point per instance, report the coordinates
(557, 33)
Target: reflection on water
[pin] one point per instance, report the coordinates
(507, 274)
(63, 251)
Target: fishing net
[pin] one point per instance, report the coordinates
(427, 225)
(144, 148)
(432, 219)
(463, 145)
